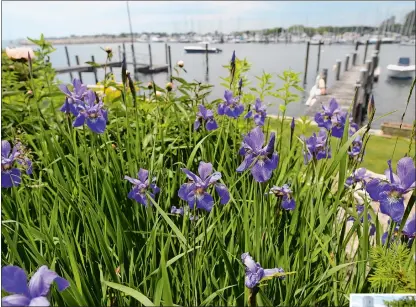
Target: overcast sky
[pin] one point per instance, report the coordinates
(21, 19)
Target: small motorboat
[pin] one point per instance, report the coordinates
(202, 48)
(403, 70)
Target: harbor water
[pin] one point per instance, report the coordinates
(390, 95)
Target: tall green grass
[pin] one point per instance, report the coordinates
(73, 214)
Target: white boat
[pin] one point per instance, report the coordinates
(403, 70)
(411, 42)
(201, 49)
(387, 40)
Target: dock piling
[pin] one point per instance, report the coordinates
(68, 60)
(368, 66)
(361, 97)
(306, 63)
(357, 43)
(94, 70)
(347, 61)
(119, 53)
(365, 51)
(319, 56)
(150, 57)
(170, 63)
(79, 73)
(374, 59)
(134, 61)
(166, 54)
(206, 61)
(354, 58)
(324, 75)
(338, 69)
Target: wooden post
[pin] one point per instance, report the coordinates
(206, 59)
(319, 56)
(68, 61)
(365, 51)
(368, 65)
(361, 96)
(338, 69)
(119, 54)
(357, 43)
(306, 63)
(324, 75)
(150, 57)
(124, 51)
(347, 61)
(378, 44)
(170, 62)
(94, 70)
(134, 60)
(166, 54)
(79, 73)
(374, 59)
(354, 58)
(356, 106)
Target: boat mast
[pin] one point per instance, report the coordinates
(131, 29)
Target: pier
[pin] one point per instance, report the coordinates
(352, 86)
(142, 63)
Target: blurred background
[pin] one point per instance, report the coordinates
(273, 36)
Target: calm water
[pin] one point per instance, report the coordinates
(272, 58)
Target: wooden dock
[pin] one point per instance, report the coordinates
(147, 69)
(353, 85)
(85, 68)
(343, 91)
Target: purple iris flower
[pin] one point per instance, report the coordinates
(393, 235)
(231, 106)
(181, 211)
(175, 210)
(386, 234)
(353, 128)
(260, 111)
(141, 185)
(338, 123)
(292, 124)
(207, 116)
(325, 118)
(14, 280)
(316, 147)
(356, 146)
(255, 273)
(409, 229)
(390, 193)
(195, 191)
(359, 175)
(233, 58)
(92, 113)
(261, 160)
(11, 176)
(240, 85)
(73, 99)
(288, 202)
(360, 210)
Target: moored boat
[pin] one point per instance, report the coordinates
(201, 49)
(403, 70)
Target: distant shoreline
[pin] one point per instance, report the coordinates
(83, 41)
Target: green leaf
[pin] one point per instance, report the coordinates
(130, 292)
